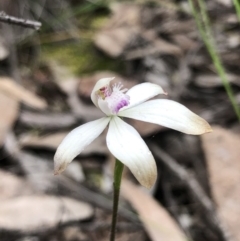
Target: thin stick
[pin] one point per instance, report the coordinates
(116, 185)
(19, 21)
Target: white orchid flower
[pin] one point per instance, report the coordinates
(123, 141)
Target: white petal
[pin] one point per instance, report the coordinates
(101, 83)
(127, 146)
(170, 114)
(142, 92)
(76, 141)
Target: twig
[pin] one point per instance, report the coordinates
(195, 188)
(19, 21)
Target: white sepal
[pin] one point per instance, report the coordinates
(170, 114)
(127, 146)
(73, 144)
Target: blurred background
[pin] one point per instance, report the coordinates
(47, 72)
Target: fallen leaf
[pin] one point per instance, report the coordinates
(222, 155)
(14, 90)
(4, 49)
(48, 141)
(114, 41)
(53, 141)
(157, 222)
(74, 233)
(120, 30)
(9, 113)
(184, 42)
(29, 213)
(12, 186)
(158, 46)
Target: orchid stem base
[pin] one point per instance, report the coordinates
(118, 170)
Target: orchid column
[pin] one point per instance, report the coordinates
(123, 141)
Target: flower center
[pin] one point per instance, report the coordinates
(114, 96)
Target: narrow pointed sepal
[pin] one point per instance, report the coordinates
(127, 146)
(73, 144)
(170, 114)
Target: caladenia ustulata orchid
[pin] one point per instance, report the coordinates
(123, 141)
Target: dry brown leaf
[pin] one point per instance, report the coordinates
(125, 14)
(48, 141)
(12, 186)
(223, 153)
(120, 30)
(74, 233)
(114, 41)
(63, 78)
(30, 213)
(9, 113)
(69, 85)
(157, 222)
(12, 89)
(161, 45)
(175, 26)
(158, 46)
(53, 141)
(184, 42)
(4, 49)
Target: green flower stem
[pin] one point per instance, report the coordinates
(118, 170)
